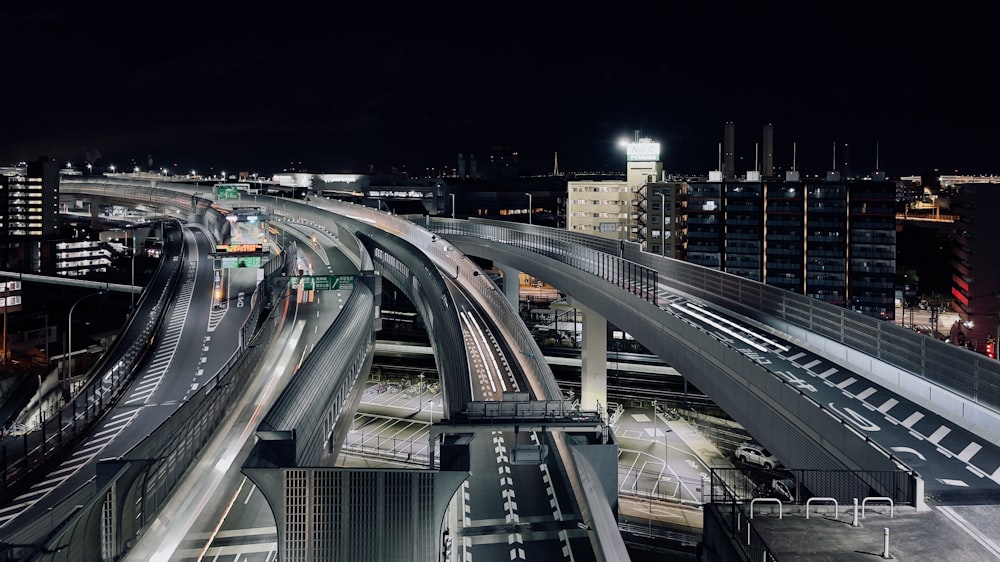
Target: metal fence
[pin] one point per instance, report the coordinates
(794, 486)
(730, 512)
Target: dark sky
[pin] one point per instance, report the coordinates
(339, 89)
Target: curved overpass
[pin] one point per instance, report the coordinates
(899, 412)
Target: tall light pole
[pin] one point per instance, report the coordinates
(420, 397)
(452, 205)
(529, 207)
(666, 445)
(131, 292)
(69, 334)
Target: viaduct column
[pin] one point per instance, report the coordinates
(95, 212)
(512, 285)
(594, 361)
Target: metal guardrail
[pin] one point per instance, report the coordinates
(162, 459)
(107, 379)
(658, 533)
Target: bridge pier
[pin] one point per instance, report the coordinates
(95, 212)
(593, 360)
(365, 514)
(511, 284)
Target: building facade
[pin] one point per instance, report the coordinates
(833, 241)
(613, 208)
(663, 219)
(598, 207)
(29, 213)
(976, 266)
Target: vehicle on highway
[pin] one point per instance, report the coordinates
(749, 453)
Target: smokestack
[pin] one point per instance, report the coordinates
(768, 150)
(729, 164)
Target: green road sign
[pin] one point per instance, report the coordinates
(322, 282)
(226, 192)
(241, 261)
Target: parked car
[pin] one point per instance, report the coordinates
(781, 489)
(748, 453)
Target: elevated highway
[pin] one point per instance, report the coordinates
(746, 345)
(597, 527)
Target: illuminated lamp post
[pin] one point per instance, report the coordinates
(69, 343)
(666, 443)
(420, 397)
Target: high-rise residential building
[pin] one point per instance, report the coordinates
(29, 213)
(871, 247)
(976, 265)
(833, 241)
(664, 217)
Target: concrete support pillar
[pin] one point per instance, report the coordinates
(95, 212)
(594, 361)
(511, 285)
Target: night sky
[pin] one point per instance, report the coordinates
(336, 89)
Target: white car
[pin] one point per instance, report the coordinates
(748, 453)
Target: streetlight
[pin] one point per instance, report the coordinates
(452, 205)
(666, 444)
(529, 207)
(69, 346)
(420, 398)
(132, 291)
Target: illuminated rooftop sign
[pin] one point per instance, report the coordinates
(645, 150)
(401, 194)
(239, 248)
